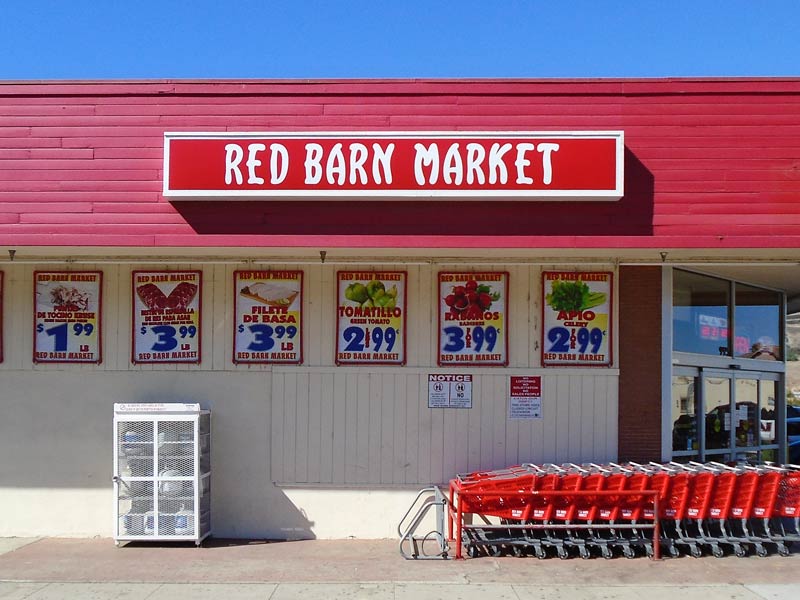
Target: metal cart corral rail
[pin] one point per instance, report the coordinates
(607, 510)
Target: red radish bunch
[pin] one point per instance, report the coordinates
(469, 301)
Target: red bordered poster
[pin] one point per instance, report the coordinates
(576, 323)
(166, 316)
(268, 317)
(66, 317)
(1, 316)
(371, 317)
(473, 318)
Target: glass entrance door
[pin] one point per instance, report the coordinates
(724, 415)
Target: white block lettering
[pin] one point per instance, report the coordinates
(497, 168)
(312, 163)
(475, 156)
(452, 166)
(253, 162)
(382, 160)
(278, 154)
(358, 156)
(523, 162)
(426, 157)
(547, 167)
(335, 165)
(233, 156)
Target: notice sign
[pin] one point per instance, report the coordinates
(579, 165)
(268, 319)
(370, 317)
(449, 391)
(525, 398)
(166, 316)
(67, 317)
(577, 318)
(472, 319)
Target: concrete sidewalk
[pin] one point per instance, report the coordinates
(55, 568)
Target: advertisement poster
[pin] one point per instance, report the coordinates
(1, 316)
(525, 398)
(166, 316)
(577, 318)
(268, 317)
(371, 317)
(67, 316)
(449, 391)
(473, 323)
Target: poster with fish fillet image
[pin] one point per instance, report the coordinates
(577, 313)
(67, 316)
(268, 319)
(166, 316)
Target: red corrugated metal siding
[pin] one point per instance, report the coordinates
(709, 163)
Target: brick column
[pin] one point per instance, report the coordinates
(640, 364)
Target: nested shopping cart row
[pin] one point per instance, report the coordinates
(629, 509)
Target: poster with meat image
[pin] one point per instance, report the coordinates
(166, 316)
(67, 316)
(268, 317)
(473, 318)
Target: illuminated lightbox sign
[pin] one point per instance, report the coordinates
(531, 165)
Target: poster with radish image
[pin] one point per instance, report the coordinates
(577, 318)
(473, 318)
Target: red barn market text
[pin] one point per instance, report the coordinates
(358, 163)
(566, 164)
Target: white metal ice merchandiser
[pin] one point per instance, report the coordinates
(162, 472)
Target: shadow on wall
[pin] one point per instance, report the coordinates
(630, 216)
(56, 432)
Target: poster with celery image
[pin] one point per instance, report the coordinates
(576, 324)
(370, 317)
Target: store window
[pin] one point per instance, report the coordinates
(725, 406)
(757, 323)
(701, 316)
(793, 388)
(685, 408)
(700, 313)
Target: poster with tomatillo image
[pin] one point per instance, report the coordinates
(166, 316)
(577, 311)
(371, 317)
(473, 318)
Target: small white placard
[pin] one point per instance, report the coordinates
(449, 390)
(525, 398)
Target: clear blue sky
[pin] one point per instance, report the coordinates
(120, 39)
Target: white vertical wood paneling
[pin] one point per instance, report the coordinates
(361, 429)
(411, 399)
(290, 458)
(365, 425)
(339, 431)
(277, 434)
(313, 441)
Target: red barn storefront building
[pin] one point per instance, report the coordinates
(376, 285)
